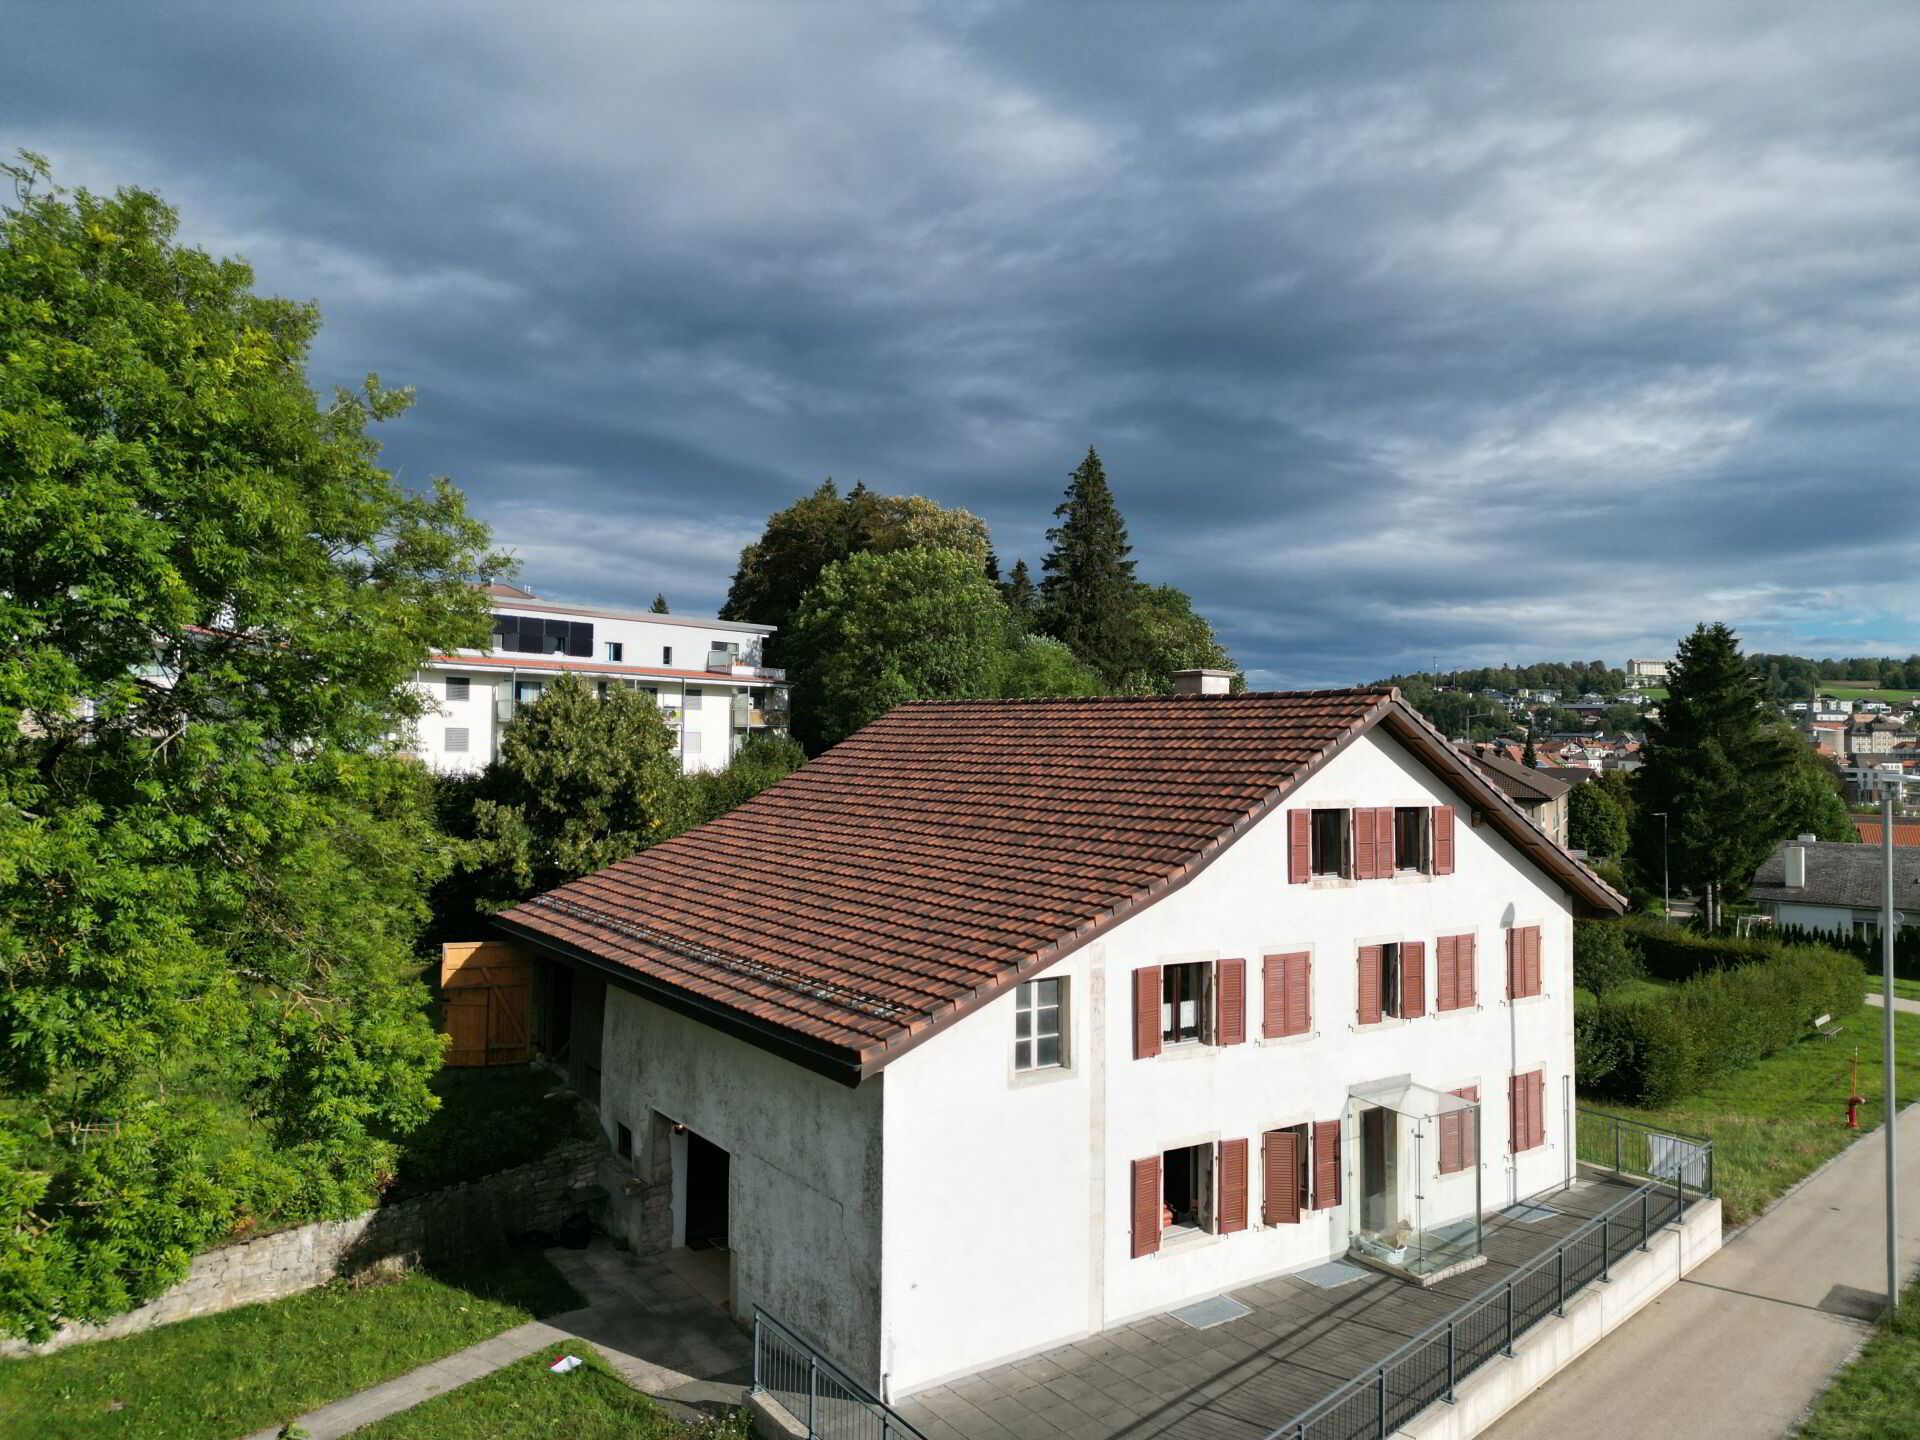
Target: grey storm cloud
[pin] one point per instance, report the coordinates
(1478, 332)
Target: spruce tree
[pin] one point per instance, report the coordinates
(660, 604)
(1530, 757)
(1089, 597)
(1716, 764)
(1020, 596)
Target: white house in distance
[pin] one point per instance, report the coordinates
(705, 675)
(1836, 885)
(1646, 674)
(1005, 1022)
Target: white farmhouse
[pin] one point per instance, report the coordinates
(1005, 1022)
(705, 675)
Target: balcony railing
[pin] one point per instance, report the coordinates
(817, 1393)
(729, 662)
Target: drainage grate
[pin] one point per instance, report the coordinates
(1333, 1274)
(1528, 1213)
(1205, 1314)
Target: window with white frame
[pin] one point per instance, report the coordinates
(616, 651)
(1040, 1025)
(458, 687)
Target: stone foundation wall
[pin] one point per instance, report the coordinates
(444, 1225)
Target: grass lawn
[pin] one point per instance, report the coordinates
(1854, 692)
(227, 1375)
(525, 1401)
(1878, 1395)
(490, 1118)
(1902, 989)
(1774, 1123)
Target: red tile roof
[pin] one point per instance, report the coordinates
(1905, 832)
(918, 867)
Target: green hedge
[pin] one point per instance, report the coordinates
(1906, 946)
(1673, 952)
(1651, 1050)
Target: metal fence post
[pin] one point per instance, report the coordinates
(757, 1382)
(1508, 1352)
(1383, 1402)
(1450, 1362)
(1606, 1252)
(1646, 1198)
(1616, 1147)
(813, 1391)
(1560, 1258)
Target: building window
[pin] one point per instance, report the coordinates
(666, 654)
(535, 635)
(623, 1142)
(1184, 1007)
(692, 700)
(458, 687)
(525, 692)
(692, 746)
(1186, 1190)
(1040, 1025)
(1410, 837)
(615, 651)
(456, 740)
(1330, 842)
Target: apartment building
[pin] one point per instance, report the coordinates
(705, 675)
(1003, 1023)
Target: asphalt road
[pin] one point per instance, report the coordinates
(1741, 1347)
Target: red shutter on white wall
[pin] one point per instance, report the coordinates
(1443, 839)
(1364, 848)
(1523, 962)
(1465, 971)
(1459, 1136)
(1299, 994)
(1146, 1012)
(1282, 1169)
(1230, 1000)
(1537, 1109)
(1450, 1143)
(1446, 985)
(1383, 842)
(1299, 846)
(1371, 959)
(1413, 979)
(1326, 1164)
(1516, 1109)
(1146, 1206)
(1533, 960)
(1273, 996)
(1527, 1107)
(1232, 1214)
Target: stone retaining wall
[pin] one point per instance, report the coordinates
(443, 1225)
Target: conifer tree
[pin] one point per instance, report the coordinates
(1089, 596)
(1021, 598)
(1716, 765)
(1530, 757)
(660, 604)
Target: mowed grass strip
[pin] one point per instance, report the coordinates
(228, 1375)
(1775, 1123)
(1878, 1395)
(526, 1401)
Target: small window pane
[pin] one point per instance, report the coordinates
(1023, 1055)
(457, 687)
(1022, 1024)
(1049, 1049)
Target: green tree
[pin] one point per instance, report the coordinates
(212, 863)
(1089, 597)
(1812, 800)
(1714, 762)
(580, 782)
(801, 541)
(659, 606)
(1595, 822)
(878, 630)
(1038, 665)
(1529, 756)
(1173, 637)
(762, 761)
(1022, 599)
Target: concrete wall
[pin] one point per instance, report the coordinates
(447, 1224)
(1007, 1218)
(804, 1169)
(1814, 917)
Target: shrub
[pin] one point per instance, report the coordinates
(1672, 952)
(1652, 1051)
(1604, 957)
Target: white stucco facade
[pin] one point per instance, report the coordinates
(951, 1213)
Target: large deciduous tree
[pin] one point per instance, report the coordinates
(1089, 598)
(212, 865)
(1715, 763)
(1595, 821)
(1173, 636)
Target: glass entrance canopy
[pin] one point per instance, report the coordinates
(1413, 1177)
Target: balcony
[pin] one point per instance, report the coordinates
(730, 662)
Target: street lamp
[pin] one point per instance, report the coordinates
(1888, 923)
(1666, 887)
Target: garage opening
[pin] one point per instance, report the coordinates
(707, 1173)
(701, 1253)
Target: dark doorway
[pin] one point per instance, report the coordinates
(707, 1169)
(1373, 1169)
(556, 1037)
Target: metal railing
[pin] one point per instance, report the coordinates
(1428, 1368)
(816, 1392)
(1633, 1150)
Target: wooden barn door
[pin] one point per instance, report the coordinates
(487, 990)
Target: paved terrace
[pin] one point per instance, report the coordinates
(1160, 1379)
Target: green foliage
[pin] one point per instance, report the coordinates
(1089, 598)
(1812, 797)
(1674, 952)
(211, 869)
(1866, 948)
(762, 761)
(1023, 601)
(1594, 822)
(1655, 1050)
(490, 1118)
(823, 528)
(1173, 636)
(1877, 1396)
(1715, 763)
(879, 630)
(1038, 665)
(1605, 958)
(659, 606)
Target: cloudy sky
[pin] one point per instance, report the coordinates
(1425, 330)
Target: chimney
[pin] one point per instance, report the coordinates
(1796, 876)
(1202, 682)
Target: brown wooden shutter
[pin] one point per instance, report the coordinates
(1537, 1108)
(1465, 970)
(1459, 1138)
(1516, 964)
(1364, 848)
(1516, 1127)
(1146, 1206)
(1232, 1213)
(1413, 979)
(1523, 962)
(1230, 1002)
(1384, 855)
(1273, 996)
(1281, 1170)
(1443, 839)
(1299, 993)
(1450, 1145)
(1326, 1164)
(1533, 960)
(1371, 959)
(1446, 983)
(1469, 1127)
(1299, 846)
(1146, 1012)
